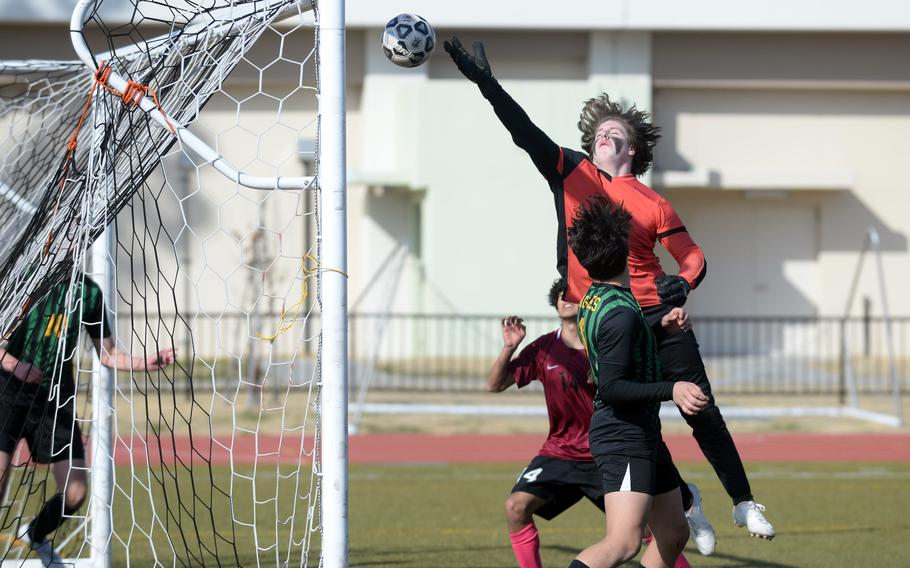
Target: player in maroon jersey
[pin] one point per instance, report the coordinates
(563, 472)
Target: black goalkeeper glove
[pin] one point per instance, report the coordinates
(476, 67)
(672, 290)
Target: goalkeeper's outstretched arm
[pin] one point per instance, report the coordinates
(526, 135)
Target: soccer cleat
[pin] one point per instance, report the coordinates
(44, 549)
(699, 528)
(749, 514)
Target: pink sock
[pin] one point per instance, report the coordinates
(526, 544)
(681, 562)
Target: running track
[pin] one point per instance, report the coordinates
(418, 448)
(421, 448)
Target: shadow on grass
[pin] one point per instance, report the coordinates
(743, 562)
(376, 558)
(735, 561)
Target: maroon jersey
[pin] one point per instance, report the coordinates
(570, 399)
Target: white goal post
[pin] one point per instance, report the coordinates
(119, 163)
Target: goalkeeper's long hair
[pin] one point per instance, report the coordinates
(599, 237)
(643, 135)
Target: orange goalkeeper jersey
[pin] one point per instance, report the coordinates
(572, 178)
(653, 220)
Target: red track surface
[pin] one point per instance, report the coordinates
(520, 448)
(418, 448)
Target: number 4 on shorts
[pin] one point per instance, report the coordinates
(530, 476)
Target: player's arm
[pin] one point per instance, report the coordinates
(543, 151)
(95, 323)
(674, 321)
(25, 372)
(112, 357)
(501, 374)
(615, 347)
(673, 289)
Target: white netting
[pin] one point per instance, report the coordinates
(213, 454)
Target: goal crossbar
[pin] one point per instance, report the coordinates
(224, 19)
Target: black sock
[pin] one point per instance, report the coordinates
(50, 517)
(578, 564)
(687, 498)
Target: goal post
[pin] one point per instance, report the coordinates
(176, 144)
(334, 347)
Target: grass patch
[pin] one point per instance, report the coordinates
(838, 514)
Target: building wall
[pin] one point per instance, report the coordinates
(779, 149)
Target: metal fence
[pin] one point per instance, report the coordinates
(449, 353)
(743, 355)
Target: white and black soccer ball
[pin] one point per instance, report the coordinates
(408, 40)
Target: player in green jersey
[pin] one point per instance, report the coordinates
(640, 482)
(37, 396)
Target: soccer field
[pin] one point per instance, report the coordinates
(443, 515)
(837, 514)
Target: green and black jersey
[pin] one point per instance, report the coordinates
(622, 353)
(48, 334)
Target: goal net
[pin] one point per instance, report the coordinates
(175, 165)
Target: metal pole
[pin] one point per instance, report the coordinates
(333, 284)
(102, 420)
(889, 337)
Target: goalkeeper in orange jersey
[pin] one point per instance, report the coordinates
(618, 146)
(37, 397)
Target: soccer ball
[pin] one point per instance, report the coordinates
(408, 40)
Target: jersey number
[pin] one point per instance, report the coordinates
(55, 325)
(531, 476)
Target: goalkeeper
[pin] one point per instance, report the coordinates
(618, 146)
(37, 397)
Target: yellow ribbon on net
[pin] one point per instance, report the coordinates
(284, 322)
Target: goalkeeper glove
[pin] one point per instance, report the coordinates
(672, 290)
(476, 67)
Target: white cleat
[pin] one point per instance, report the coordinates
(45, 550)
(699, 528)
(749, 514)
(48, 555)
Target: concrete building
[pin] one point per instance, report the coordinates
(784, 137)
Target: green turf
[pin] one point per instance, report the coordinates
(442, 516)
(452, 516)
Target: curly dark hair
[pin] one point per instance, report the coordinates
(599, 237)
(643, 135)
(559, 286)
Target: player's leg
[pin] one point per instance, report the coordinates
(72, 487)
(544, 488)
(523, 535)
(626, 513)
(681, 359)
(700, 530)
(6, 459)
(627, 483)
(15, 402)
(666, 520)
(59, 443)
(670, 530)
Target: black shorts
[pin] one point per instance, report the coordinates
(654, 476)
(50, 430)
(561, 483)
